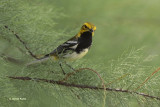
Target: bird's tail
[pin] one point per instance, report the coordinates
(45, 58)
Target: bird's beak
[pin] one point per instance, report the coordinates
(91, 30)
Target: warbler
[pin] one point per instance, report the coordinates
(74, 48)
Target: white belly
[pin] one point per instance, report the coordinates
(75, 56)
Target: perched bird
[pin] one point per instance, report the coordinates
(74, 48)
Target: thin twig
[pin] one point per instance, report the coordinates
(118, 79)
(84, 86)
(147, 79)
(24, 44)
(81, 69)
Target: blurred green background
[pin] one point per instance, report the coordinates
(122, 27)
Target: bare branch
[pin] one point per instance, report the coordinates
(83, 86)
(24, 44)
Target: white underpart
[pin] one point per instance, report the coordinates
(74, 55)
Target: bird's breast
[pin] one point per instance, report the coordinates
(75, 55)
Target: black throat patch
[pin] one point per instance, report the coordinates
(84, 42)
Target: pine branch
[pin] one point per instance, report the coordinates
(83, 86)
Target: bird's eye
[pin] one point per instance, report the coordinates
(85, 26)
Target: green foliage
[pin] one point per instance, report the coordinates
(43, 25)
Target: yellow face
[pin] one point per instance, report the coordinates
(88, 27)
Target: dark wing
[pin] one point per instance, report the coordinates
(69, 45)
